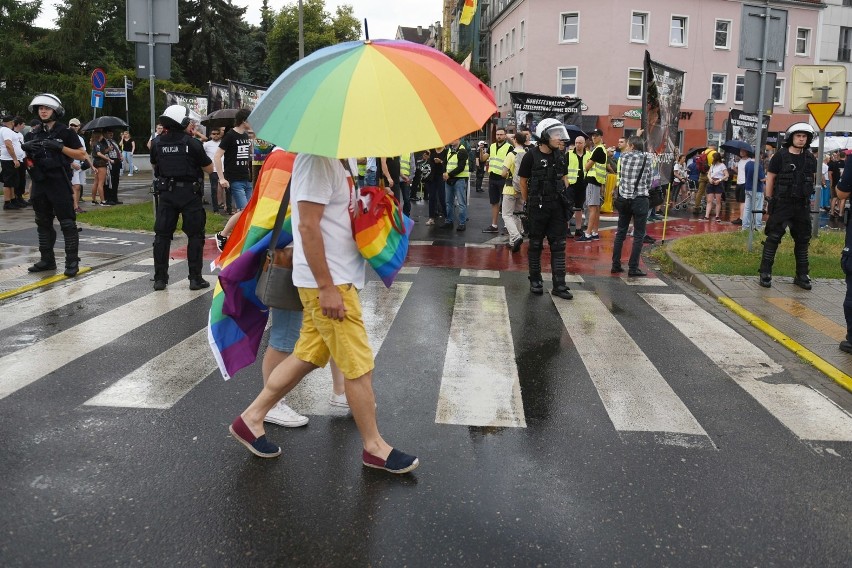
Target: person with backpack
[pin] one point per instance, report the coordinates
(703, 161)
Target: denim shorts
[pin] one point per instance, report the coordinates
(241, 192)
(284, 332)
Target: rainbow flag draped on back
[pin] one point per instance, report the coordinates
(237, 317)
(467, 12)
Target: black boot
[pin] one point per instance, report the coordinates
(72, 247)
(561, 290)
(770, 246)
(765, 279)
(43, 264)
(198, 283)
(46, 240)
(536, 285)
(802, 280)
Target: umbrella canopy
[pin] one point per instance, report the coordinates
(693, 151)
(221, 118)
(736, 145)
(574, 131)
(372, 98)
(104, 123)
(832, 143)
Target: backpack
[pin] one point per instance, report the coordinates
(701, 163)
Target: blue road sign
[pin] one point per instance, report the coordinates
(97, 99)
(98, 79)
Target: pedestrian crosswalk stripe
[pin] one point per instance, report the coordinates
(808, 414)
(163, 380)
(642, 281)
(150, 262)
(379, 307)
(54, 298)
(570, 278)
(635, 395)
(479, 383)
(27, 365)
(409, 270)
(471, 273)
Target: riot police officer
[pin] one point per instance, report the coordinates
(789, 185)
(543, 175)
(49, 155)
(844, 191)
(179, 160)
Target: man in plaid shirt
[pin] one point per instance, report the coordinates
(633, 186)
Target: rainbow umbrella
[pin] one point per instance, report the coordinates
(372, 98)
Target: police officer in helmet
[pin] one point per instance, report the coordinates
(543, 177)
(179, 160)
(789, 185)
(52, 149)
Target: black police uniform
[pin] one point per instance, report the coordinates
(546, 203)
(52, 194)
(178, 159)
(789, 207)
(845, 185)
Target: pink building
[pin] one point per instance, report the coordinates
(594, 50)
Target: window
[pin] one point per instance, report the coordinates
(778, 98)
(494, 55)
(803, 41)
(739, 90)
(512, 43)
(521, 81)
(678, 32)
(567, 82)
(639, 27)
(719, 87)
(523, 33)
(511, 83)
(502, 50)
(844, 51)
(635, 78)
(569, 30)
(722, 39)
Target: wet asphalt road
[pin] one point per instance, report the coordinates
(96, 486)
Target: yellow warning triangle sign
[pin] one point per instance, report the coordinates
(822, 112)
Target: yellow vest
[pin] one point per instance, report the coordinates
(598, 171)
(453, 163)
(574, 165)
(362, 170)
(497, 157)
(405, 165)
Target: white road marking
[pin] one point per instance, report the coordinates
(409, 270)
(150, 262)
(47, 356)
(479, 383)
(570, 278)
(163, 380)
(809, 415)
(643, 281)
(49, 300)
(634, 393)
(379, 306)
(471, 273)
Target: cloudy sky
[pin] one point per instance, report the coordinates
(383, 16)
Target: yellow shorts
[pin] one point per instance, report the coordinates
(322, 337)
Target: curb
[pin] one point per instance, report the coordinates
(704, 284)
(43, 282)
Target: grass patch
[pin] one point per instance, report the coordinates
(726, 254)
(138, 217)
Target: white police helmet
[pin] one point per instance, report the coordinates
(175, 116)
(551, 128)
(48, 100)
(802, 127)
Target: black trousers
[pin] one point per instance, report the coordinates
(111, 191)
(793, 214)
(184, 202)
(547, 219)
(52, 199)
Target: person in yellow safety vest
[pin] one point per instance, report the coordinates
(405, 163)
(362, 170)
(595, 167)
(702, 181)
(455, 180)
(496, 155)
(577, 180)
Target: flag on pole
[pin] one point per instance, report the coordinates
(467, 12)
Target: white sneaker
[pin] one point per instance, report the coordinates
(339, 400)
(283, 415)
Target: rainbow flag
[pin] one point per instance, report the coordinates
(467, 12)
(237, 317)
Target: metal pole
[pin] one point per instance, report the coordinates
(126, 105)
(818, 187)
(762, 92)
(301, 33)
(151, 77)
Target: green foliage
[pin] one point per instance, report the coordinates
(321, 29)
(210, 40)
(139, 217)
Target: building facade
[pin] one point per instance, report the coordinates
(595, 51)
(835, 48)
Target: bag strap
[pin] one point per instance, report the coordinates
(279, 219)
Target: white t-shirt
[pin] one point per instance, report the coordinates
(210, 148)
(741, 168)
(323, 180)
(6, 133)
(825, 173)
(717, 171)
(17, 142)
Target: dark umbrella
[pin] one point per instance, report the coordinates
(693, 151)
(574, 131)
(736, 145)
(220, 118)
(104, 123)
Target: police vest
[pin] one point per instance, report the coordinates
(51, 162)
(598, 171)
(405, 165)
(574, 166)
(497, 156)
(453, 163)
(792, 182)
(544, 180)
(173, 160)
(362, 170)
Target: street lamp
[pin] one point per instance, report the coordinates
(301, 33)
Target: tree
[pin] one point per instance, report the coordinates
(211, 35)
(321, 29)
(17, 44)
